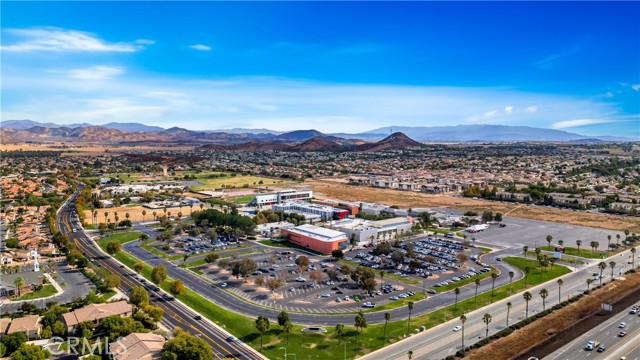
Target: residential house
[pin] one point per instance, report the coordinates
(30, 325)
(95, 313)
(137, 346)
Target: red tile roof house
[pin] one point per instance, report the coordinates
(95, 313)
(30, 325)
(137, 346)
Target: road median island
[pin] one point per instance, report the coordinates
(560, 327)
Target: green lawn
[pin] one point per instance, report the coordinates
(47, 290)
(122, 238)
(273, 243)
(242, 199)
(237, 181)
(585, 253)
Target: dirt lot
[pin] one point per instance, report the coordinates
(135, 212)
(552, 326)
(89, 148)
(406, 199)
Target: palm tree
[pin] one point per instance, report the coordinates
(543, 294)
(509, 305)
(410, 354)
(549, 239)
(262, 325)
(618, 239)
(201, 206)
(106, 215)
(126, 215)
(144, 212)
(486, 319)
(608, 243)
(360, 323)
(511, 275)
(19, 283)
(589, 281)
(525, 250)
(475, 298)
(612, 265)
(381, 279)
(494, 276)
(387, 317)
(463, 319)
(410, 306)
(560, 283)
(578, 243)
(527, 296)
(560, 242)
(457, 292)
(95, 217)
(593, 247)
(340, 331)
(633, 257)
(526, 275)
(602, 266)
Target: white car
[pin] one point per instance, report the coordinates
(457, 328)
(622, 325)
(325, 295)
(224, 285)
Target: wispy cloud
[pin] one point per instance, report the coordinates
(200, 47)
(636, 87)
(57, 39)
(531, 109)
(550, 61)
(580, 122)
(96, 73)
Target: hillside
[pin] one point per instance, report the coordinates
(394, 141)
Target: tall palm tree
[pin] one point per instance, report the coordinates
(560, 242)
(475, 298)
(201, 206)
(509, 305)
(126, 215)
(106, 215)
(144, 213)
(381, 279)
(608, 243)
(527, 296)
(511, 275)
(526, 275)
(560, 283)
(486, 319)
(463, 319)
(387, 317)
(410, 306)
(589, 281)
(618, 239)
(19, 283)
(494, 276)
(578, 242)
(602, 266)
(543, 294)
(612, 265)
(410, 354)
(593, 247)
(95, 217)
(633, 257)
(457, 292)
(549, 239)
(525, 250)
(155, 214)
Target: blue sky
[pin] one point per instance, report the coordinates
(336, 67)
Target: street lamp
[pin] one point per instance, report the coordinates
(345, 349)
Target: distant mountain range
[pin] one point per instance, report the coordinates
(28, 130)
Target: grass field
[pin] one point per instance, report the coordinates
(242, 199)
(47, 290)
(238, 181)
(585, 253)
(120, 237)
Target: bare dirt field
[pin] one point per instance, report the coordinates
(406, 199)
(89, 148)
(135, 212)
(553, 325)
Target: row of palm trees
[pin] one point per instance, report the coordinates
(144, 214)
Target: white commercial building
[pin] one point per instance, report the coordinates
(281, 196)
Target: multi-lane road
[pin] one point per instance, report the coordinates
(176, 314)
(606, 334)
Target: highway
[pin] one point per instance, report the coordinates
(176, 314)
(607, 334)
(441, 341)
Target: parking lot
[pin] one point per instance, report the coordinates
(437, 265)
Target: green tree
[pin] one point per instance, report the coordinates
(511, 275)
(287, 327)
(14, 341)
(527, 297)
(612, 265)
(602, 265)
(549, 239)
(486, 319)
(463, 319)
(544, 293)
(509, 305)
(578, 243)
(19, 284)
(525, 250)
(410, 307)
(112, 281)
(456, 291)
(387, 317)
(176, 287)
(360, 324)
(262, 324)
(211, 258)
(283, 317)
(340, 331)
(30, 352)
(494, 276)
(159, 274)
(139, 296)
(113, 247)
(138, 267)
(185, 346)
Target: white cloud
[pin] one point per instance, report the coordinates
(200, 47)
(56, 39)
(508, 109)
(96, 73)
(580, 122)
(636, 87)
(490, 114)
(531, 109)
(608, 95)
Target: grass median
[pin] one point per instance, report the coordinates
(584, 253)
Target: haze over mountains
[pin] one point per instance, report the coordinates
(28, 130)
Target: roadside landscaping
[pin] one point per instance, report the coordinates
(45, 291)
(584, 253)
